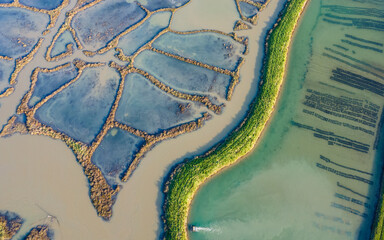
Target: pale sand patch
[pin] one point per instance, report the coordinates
(61, 186)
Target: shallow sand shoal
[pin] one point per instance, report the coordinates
(45, 172)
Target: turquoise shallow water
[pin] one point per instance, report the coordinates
(315, 173)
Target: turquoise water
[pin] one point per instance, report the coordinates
(315, 173)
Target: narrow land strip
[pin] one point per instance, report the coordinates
(378, 221)
(188, 176)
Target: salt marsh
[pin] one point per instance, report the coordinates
(143, 224)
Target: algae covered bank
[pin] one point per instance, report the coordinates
(316, 173)
(187, 177)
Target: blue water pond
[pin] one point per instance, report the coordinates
(83, 3)
(81, 109)
(6, 69)
(100, 23)
(42, 4)
(48, 82)
(183, 76)
(132, 41)
(248, 10)
(153, 5)
(60, 45)
(20, 30)
(115, 153)
(206, 47)
(145, 107)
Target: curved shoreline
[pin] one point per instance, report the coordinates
(186, 178)
(377, 228)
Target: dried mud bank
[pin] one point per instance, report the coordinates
(188, 176)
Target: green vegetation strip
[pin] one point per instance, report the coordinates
(187, 177)
(377, 230)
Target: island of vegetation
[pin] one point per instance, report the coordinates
(40, 232)
(187, 177)
(10, 224)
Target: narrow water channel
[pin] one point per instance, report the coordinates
(315, 173)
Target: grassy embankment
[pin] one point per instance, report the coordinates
(378, 224)
(186, 178)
